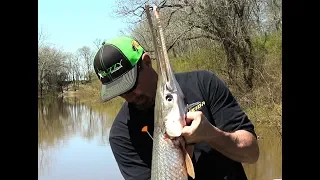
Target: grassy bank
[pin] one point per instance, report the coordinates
(90, 95)
(263, 103)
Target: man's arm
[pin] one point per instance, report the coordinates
(240, 145)
(231, 132)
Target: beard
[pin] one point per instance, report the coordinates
(145, 103)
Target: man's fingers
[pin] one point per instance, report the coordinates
(187, 130)
(194, 118)
(191, 115)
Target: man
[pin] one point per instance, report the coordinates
(223, 135)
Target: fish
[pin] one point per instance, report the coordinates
(170, 158)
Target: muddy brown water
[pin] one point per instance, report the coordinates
(73, 144)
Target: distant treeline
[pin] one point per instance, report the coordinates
(233, 38)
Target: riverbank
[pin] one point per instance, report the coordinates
(262, 114)
(89, 94)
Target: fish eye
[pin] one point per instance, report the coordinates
(169, 97)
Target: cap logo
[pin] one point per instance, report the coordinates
(135, 45)
(102, 74)
(110, 70)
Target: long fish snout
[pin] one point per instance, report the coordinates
(170, 114)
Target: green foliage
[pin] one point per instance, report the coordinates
(264, 103)
(203, 59)
(270, 44)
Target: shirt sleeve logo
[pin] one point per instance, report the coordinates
(196, 106)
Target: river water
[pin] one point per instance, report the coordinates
(73, 144)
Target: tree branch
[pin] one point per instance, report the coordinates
(170, 16)
(200, 36)
(178, 37)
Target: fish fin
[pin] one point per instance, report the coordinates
(188, 151)
(189, 165)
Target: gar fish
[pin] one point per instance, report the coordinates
(170, 159)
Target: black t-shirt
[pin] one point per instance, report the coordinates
(204, 92)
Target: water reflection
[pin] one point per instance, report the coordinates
(73, 142)
(269, 165)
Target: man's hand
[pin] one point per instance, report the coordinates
(199, 128)
(240, 145)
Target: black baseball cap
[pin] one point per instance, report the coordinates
(115, 64)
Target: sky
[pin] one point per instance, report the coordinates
(72, 24)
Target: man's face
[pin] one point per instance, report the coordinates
(143, 96)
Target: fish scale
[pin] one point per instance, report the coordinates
(168, 158)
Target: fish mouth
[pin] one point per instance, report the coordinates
(166, 135)
(174, 124)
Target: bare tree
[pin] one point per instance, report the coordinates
(274, 14)
(227, 22)
(42, 38)
(74, 71)
(51, 64)
(267, 15)
(86, 54)
(97, 42)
